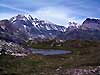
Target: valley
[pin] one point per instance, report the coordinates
(49, 37)
(29, 46)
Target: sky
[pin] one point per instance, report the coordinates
(56, 11)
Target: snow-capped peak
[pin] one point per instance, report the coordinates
(37, 23)
(18, 17)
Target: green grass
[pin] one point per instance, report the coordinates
(69, 44)
(19, 65)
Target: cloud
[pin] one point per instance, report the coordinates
(58, 11)
(6, 15)
(59, 15)
(14, 8)
(52, 14)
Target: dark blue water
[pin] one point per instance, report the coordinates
(50, 52)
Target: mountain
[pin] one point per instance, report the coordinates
(93, 24)
(35, 28)
(10, 32)
(89, 30)
(20, 29)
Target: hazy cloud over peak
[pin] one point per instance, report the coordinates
(56, 11)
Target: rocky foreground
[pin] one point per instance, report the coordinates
(62, 71)
(11, 48)
(78, 71)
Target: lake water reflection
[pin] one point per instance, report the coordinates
(50, 52)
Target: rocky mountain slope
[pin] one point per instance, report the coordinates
(20, 29)
(89, 30)
(93, 24)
